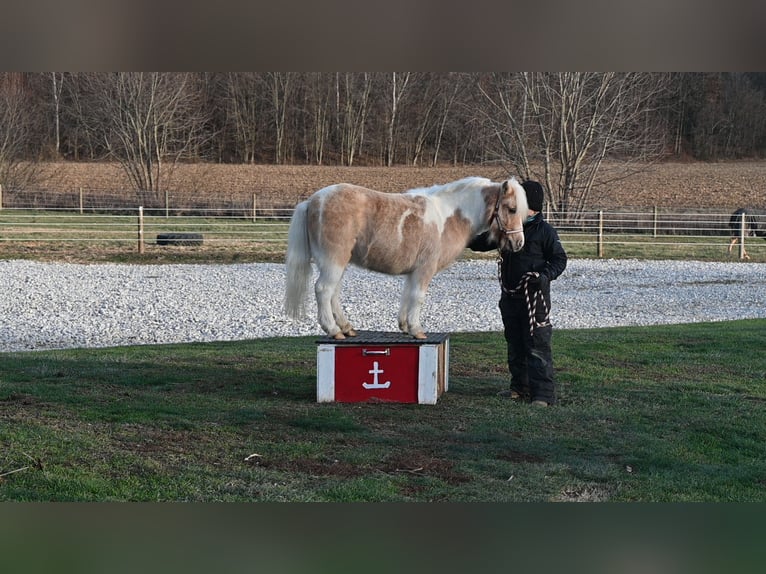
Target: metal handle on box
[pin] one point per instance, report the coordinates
(368, 352)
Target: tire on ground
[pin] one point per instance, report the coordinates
(179, 239)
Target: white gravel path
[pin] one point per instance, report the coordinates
(60, 305)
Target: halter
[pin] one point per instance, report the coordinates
(496, 216)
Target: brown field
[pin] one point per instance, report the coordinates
(668, 185)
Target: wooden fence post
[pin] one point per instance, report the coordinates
(80, 201)
(141, 229)
(655, 221)
(601, 233)
(742, 236)
(1, 196)
(254, 205)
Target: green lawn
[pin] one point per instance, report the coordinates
(665, 413)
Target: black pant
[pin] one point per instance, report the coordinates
(530, 360)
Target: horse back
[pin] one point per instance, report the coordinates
(751, 223)
(385, 232)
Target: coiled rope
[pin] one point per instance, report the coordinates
(533, 297)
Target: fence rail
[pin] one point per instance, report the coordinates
(593, 233)
(655, 227)
(123, 225)
(101, 201)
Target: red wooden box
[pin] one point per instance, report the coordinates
(385, 367)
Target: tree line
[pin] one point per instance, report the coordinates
(555, 126)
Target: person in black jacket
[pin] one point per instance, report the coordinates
(525, 302)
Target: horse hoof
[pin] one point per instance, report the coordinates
(420, 335)
(350, 333)
(338, 336)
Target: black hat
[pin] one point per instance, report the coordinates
(535, 194)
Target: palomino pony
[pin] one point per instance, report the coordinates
(751, 228)
(416, 234)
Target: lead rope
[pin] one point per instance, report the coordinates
(531, 300)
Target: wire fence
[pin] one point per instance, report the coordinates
(32, 217)
(663, 228)
(100, 201)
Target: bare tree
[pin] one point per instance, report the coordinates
(16, 133)
(398, 86)
(148, 121)
(79, 137)
(57, 80)
(450, 88)
(747, 112)
(280, 87)
(317, 98)
(727, 115)
(421, 118)
(560, 127)
(352, 104)
(244, 111)
(578, 131)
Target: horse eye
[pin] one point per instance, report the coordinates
(511, 210)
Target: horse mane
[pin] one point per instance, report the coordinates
(452, 187)
(464, 194)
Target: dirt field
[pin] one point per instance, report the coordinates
(670, 185)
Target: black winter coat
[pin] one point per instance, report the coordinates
(542, 252)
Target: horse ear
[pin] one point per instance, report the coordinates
(504, 186)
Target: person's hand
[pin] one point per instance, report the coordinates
(538, 280)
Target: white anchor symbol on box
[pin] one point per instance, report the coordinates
(375, 371)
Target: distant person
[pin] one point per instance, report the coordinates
(525, 279)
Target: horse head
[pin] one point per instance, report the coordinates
(509, 215)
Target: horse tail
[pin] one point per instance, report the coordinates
(757, 227)
(298, 263)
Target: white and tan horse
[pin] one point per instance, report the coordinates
(416, 234)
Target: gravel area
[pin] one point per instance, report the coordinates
(60, 305)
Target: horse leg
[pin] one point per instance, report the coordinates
(404, 306)
(406, 303)
(734, 241)
(340, 317)
(327, 288)
(413, 297)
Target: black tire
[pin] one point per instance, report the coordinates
(179, 239)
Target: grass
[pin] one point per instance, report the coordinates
(665, 413)
(62, 236)
(89, 238)
(670, 413)
(665, 247)
(233, 251)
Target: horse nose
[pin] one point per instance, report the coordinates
(517, 243)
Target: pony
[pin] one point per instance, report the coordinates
(416, 234)
(751, 228)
